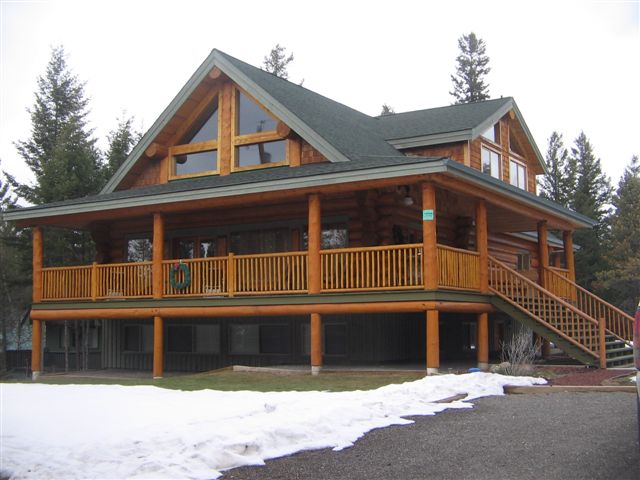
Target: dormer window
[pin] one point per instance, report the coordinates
(197, 153)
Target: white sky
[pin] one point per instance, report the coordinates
(571, 65)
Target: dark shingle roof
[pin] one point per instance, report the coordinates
(353, 133)
(433, 121)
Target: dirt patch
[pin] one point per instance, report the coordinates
(581, 376)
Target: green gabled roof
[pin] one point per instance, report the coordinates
(338, 132)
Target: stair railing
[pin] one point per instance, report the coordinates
(617, 322)
(551, 311)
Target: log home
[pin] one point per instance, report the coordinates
(258, 222)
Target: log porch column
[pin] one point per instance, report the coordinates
(314, 240)
(543, 265)
(158, 287)
(430, 273)
(482, 247)
(433, 342)
(567, 240)
(429, 237)
(36, 295)
(36, 349)
(157, 254)
(158, 347)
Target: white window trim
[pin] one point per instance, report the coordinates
(492, 149)
(520, 163)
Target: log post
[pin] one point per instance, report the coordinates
(158, 347)
(602, 341)
(36, 349)
(231, 274)
(567, 240)
(429, 237)
(38, 255)
(315, 280)
(94, 281)
(543, 253)
(316, 343)
(433, 342)
(158, 254)
(483, 341)
(482, 244)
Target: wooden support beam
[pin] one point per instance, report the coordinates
(156, 151)
(482, 340)
(316, 343)
(284, 131)
(567, 240)
(433, 342)
(215, 74)
(482, 244)
(225, 129)
(602, 339)
(158, 254)
(36, 349)
(257, 310)
(158, 347)
(38, 255)
(294, 152)
(314, 240)
(429, 237)
(543, 252)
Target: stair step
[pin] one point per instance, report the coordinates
(628, 358)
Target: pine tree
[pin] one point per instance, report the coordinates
(15, 278)
(591, 198)
(121, 141)
(556, 183)
(387, 110)
(276, 62)
(62, 155)
(472, 66)
(621, 281)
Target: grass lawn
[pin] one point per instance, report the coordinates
(262, 382)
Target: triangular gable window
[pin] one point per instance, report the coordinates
(252, 118)
(206, 129)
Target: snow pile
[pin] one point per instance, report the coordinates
(110, 431)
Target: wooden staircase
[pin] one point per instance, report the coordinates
(583, 325)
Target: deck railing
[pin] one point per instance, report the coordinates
(617, 322)
(458, 268)
(556, 281)
(395, 267)
(372, 268)
(123, 280)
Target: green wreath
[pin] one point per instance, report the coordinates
(186, 274)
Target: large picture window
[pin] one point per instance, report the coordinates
(139, 250)
(196, 153)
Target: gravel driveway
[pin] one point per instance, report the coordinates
(542, 436)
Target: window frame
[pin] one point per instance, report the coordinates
(491, 149)
(197, 147)
(520, 163)
(238, 140)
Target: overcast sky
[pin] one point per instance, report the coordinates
(571, 66)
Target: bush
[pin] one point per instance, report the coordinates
(518, 354)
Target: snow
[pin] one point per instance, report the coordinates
(111, 431)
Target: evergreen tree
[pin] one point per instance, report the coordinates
(62, 155)
(556, 183)
(277, 61)
(387, 110)
(121, 141)
(591, 197)
(15, 278)
(621, 281)
(472, 66)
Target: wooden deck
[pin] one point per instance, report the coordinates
(397, 267)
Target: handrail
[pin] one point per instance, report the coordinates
(618, 323)
(566, 320)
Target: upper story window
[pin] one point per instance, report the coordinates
(493, 133)
(517, 174)
(491, 162)
(256, 141)
(197, 153)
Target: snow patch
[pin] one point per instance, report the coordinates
(112, 431)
